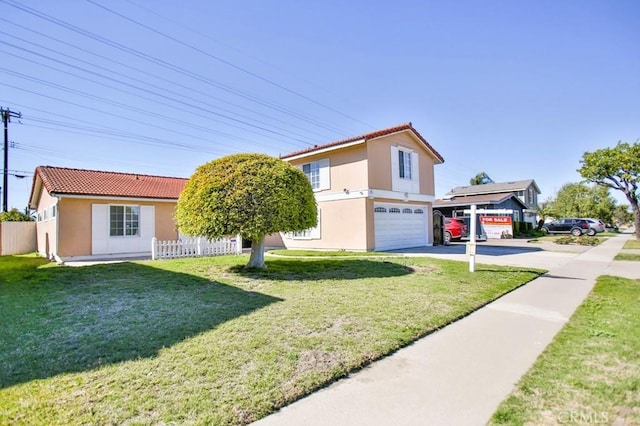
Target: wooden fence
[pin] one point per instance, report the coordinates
(194, 247)
(17, 238)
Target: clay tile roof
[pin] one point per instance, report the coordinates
(366, 137)
(62, 180)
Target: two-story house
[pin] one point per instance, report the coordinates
(374, 191)
(520, 196)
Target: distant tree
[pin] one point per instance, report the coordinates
(480, 179)
(15, 215)
(545, 209)
(617, 168)
(622, 215)
(253, 195)
(582, 200)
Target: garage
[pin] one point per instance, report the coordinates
(399, 226)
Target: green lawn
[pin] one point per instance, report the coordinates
(627, 256)
(632, 244)
(333, 253)
(204, 341)
(590, 374)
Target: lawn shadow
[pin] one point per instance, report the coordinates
(62, 319)
(315, 269)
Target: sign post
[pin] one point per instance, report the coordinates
(471, 245)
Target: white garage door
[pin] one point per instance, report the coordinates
(399, 226)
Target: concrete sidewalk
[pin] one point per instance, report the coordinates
(459, 375)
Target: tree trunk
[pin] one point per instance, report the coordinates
(257, 254)
(636, 216)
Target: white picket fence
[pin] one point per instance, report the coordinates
(194, 247)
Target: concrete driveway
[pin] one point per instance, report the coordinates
(512, 252)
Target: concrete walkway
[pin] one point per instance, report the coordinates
(459, 375)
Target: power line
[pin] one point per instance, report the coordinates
(147, 74)
(226, 62)
(154, 93)
(191, 29)
(180, 70)
(122, 105)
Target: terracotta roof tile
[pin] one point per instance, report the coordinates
(101, 183)
(368, 136)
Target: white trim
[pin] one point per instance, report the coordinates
(106, 197)
(105, 257)
(323, 150)
(490, 211)
(348, 194)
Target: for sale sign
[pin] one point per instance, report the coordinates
(497, 226)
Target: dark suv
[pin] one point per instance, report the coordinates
(575, 227)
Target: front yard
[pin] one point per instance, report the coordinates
(590, 373)
(204, 341)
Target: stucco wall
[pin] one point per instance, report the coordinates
(74, 215)
(379, 153)
(46, 229)
(342, 227)
(348, 168)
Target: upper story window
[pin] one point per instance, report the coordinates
(312, 170)
(530, 198)
(404, 164)
(404, 170)
(318, 174)
(124, 221)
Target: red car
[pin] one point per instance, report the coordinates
(454, 229)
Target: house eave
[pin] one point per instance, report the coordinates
(325, 150)
(114, 197)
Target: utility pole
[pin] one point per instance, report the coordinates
(6, 119)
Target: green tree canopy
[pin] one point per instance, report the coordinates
(15, 215)
(582, 200)
(252, 195)
(617, 168)
(622, 214)
(480, 179)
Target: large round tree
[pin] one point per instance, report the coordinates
(617, 168)
(252, 195)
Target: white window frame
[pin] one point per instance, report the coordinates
(408, 180)
(307, 234)
(312, 171)
(125, 219)
(318, 174)
(404, 164)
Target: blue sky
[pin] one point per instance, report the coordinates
(517, 89)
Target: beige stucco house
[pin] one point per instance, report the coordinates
(88, 213)
(374, 191)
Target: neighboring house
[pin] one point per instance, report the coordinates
(374, 192)
(519, 196)
(89, 213)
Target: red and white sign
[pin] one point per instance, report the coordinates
(497, 226)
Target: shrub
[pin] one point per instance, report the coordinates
(14, 215)
(523, 229)
(583, 241)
